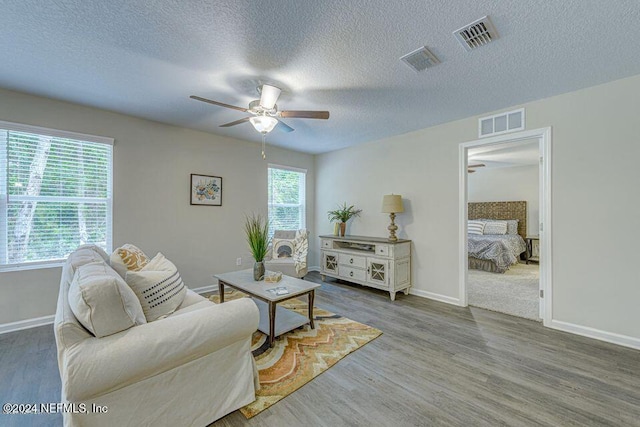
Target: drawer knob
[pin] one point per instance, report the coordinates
(351, 273)
(351, 261)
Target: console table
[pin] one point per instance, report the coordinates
(369, 261)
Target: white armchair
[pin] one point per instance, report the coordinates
(288, 253)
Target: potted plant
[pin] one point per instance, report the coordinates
(343, 214)
(257, 231)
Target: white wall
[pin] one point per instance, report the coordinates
(594, 201)
(152, 164)
(507, 184)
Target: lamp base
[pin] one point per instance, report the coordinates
(392, 228)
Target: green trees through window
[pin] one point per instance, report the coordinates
(55, 194)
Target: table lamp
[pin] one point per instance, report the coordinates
(392, 204)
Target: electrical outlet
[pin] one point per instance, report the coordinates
(239, 261)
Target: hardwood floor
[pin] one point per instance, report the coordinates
(435, 364)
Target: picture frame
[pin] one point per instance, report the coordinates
(205, 190)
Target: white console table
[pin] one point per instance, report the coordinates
(369, 261)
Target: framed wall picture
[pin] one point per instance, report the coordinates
(206, 190)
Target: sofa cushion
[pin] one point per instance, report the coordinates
(128, 258)
(158, 286)
(102, 302)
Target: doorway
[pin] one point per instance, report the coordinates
(536, 234)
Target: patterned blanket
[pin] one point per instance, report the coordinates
(503, 249)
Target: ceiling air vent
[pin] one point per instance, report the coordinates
(476, 34)
(420, 59)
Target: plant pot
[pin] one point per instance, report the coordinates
(258, 271)
(343, 228)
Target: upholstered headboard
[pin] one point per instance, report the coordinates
(501, 210)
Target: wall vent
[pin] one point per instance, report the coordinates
(476, 34)
(420, 59)
(497, 124)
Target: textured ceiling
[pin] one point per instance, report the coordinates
(524, 153)
(146, 57)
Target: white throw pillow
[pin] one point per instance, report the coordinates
(158, 286)
(128, 257)
(495, 227)
(102, 301)
(475, 227)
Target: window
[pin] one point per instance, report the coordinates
(286, 194)
(55, 194)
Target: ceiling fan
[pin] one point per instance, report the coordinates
(472, 168)
(264, 111)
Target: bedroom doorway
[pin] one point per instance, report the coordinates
(505, 185)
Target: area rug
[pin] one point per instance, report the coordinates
(299, 356)
(515, 292)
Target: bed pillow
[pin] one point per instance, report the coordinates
(512, 224)
(102, 301)
(128, 257)
(158, 286)
(495, 227)
(475, 227)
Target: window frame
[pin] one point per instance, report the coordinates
(303, 186)
(4, 194)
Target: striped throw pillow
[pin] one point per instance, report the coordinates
(475, 227)
(158, 286)
(495, 227)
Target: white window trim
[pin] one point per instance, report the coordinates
(52, 263)
(303, 205)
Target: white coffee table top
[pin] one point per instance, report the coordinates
(243, 280)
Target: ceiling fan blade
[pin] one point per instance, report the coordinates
(479, 165)
(285, 127)
(268, 96)
(305, 114)
(237, 122)
(221, 104)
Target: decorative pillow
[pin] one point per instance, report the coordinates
(495, 227)
(282, 249)
(128, 257)
(512, 224)
(158, 286)
(102, 301)
(475, 227)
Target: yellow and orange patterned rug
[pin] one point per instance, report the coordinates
(299, 356)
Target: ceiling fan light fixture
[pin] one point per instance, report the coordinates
(263, 124)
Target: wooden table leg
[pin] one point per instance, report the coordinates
(311, 297)
(272, 322)
(221, 290)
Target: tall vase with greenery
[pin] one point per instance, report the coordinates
(343, 214)
(257, 230)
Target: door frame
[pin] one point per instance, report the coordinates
(543, 135)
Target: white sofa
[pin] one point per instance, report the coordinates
(188, 369)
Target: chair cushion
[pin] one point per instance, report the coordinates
(128, 258)
(158, 286)
(102, 302)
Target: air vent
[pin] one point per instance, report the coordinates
(498, 124)
(420, 59)
(476, 34)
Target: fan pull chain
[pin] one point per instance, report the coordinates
(264, 156)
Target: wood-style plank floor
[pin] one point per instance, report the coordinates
(435, 364)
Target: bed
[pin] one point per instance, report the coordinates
(497, 252)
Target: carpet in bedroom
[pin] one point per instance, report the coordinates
(515, 292)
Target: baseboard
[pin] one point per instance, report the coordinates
(5, 328)
(313, 268)
(598, 334)
(434, 296)
(205, 289)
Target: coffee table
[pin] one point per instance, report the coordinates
(274, 320)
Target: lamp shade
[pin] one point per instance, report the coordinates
(263, 124)
(392, 203)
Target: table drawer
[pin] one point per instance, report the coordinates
(326, 244)
(353, 260)
(352, 273)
